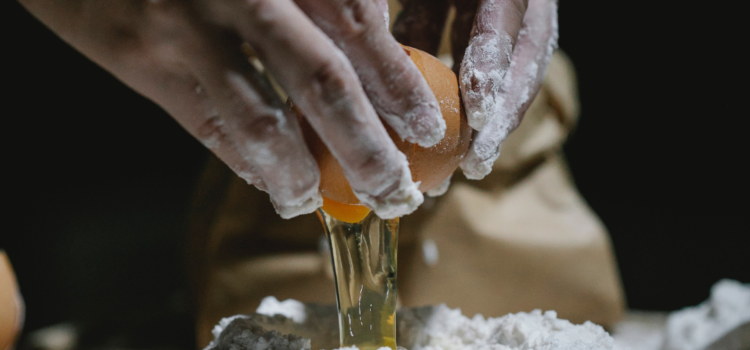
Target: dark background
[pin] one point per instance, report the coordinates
(97, 178)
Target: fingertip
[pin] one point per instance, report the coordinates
(296, 195)
(478, 116)
(403, 201)
(427, 124)
(475, 169)
(253, 179)
(477, 165)
(402, 198)
(305, 205)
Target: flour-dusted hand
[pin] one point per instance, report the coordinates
(502, 72)
(501, 49)
(335, 59)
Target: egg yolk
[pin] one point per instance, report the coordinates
(351, 213)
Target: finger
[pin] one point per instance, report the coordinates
(420, 24)
(266, 135)
(536, 44)
(182, 96)
(488, 57)
(322, 82)
(162, 75)
(206, 125)
(463, 23)
(212, 132)
(392, 82)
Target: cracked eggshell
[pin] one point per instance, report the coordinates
(429, 166)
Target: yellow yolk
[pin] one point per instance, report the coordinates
(351, 213)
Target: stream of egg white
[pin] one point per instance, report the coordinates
(364, 262)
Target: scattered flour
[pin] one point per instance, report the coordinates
(290, 308)
(430, 252)
(699, 326)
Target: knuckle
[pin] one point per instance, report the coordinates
(172, 29)
(357, 19)
(167, 14)
(261, 13)
(211, 132)
(125, 43)
(330, 82)
(373, 161)
(262, 126)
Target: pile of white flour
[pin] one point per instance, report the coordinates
(697, 327)
(715, 323)
(448, 329)
(442, 328)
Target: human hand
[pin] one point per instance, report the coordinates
(501, 49)
(335, 59)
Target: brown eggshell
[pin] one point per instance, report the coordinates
(430, 165)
